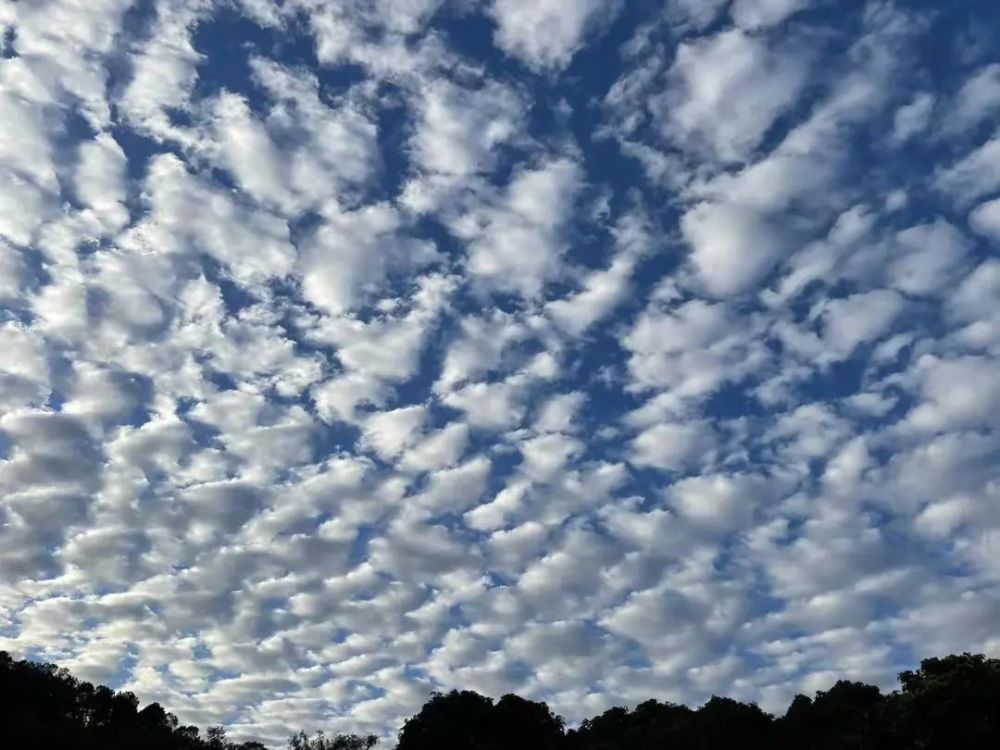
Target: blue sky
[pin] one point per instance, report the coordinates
(592, 350)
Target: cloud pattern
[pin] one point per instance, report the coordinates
(589, 350)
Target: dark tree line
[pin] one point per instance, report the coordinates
(951, 703)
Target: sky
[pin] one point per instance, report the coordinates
(592, 350)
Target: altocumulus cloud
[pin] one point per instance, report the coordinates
(589, 350)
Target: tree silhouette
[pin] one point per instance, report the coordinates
(453, 720)
(468, 721)
(320, 741)
(950, 703)
(524, 724)
(651, 725)
(849, 715)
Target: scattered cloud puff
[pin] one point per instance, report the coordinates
(725, 91)
(351, 351)
(546, 34)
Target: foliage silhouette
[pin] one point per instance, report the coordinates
(320, 741)
(468, 720)
(950, 703)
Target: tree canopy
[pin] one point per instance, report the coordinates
(950, 703)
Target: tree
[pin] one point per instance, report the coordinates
(650, 726)
(319, 741)
(216, 738)
(468, 721)
(951, 703)
(519, 723)
(851, 715)
(453, 720)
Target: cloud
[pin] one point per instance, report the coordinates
(344, 358)
(725, 91)
(390, 432)
(546, 34)
(100, 180)
(976, 100)
(696, 13)
(164, 72)
(186, 213)
(25, 367)
(461, 128)
(438, 450)
(926, 257)
(352, 252)
(973, 176)
(719, 502)
(913, 118)
(489, 405)
(674, 447)
(603, 290)
(985, 218)
(684, 355)
(455, 489)
(733, 247)
(858, 319)
(956, 393)
(516, 246)
(757, 14)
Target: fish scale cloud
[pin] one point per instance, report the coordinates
(593, 351)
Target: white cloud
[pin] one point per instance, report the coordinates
(164, 71)
(858, 319)
(547, 33)
(697, 13)
(687, 354)
(973, 176)
(674, 447)
(438, 450)
(69, 44)
(516, 247)
(957, 393)
(985, 219)
(455, 489)
(350, 254)
(478, 348)
(365, 380)
(461, 128)
(23, 208)
(757, 14)
(733, 247)
(328, 151)
(189, 215)
(940, 519)
(913, 118)
(977, 296)
(13, 272)
(545, 457)
(100, 179)
(691, 325)
(382, 351)
(719, 502)
(25, 149)
(605, 289)
(249, 153)
(389, 433)
(978, 98)
(726, 90)
(558, 414)
(489, 405)
(926, 257)
(25, 371)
